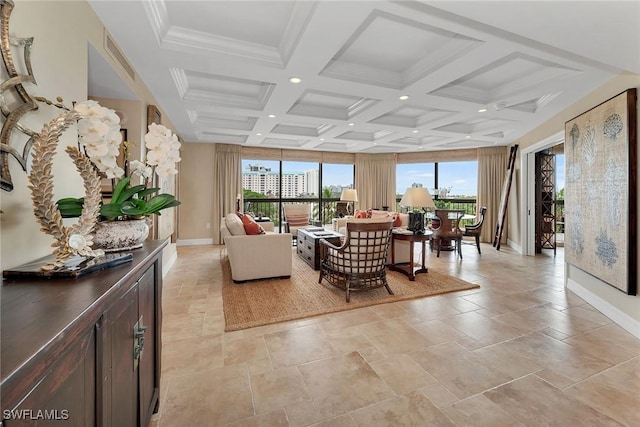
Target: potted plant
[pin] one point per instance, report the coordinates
(130, 205)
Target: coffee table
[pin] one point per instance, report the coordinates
(308, 245)
(407, 267)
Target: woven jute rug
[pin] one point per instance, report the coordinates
(267, 301)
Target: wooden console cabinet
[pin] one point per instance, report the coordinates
(84, 352)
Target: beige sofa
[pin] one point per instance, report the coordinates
(256, 257)
(401, 247)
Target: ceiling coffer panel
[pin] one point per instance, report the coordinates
(412, 116)
(505, 78)
(393, 51)
(330, 105)
(224, 91)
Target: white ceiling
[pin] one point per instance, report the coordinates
(218, 69)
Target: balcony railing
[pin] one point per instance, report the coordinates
(265, 207)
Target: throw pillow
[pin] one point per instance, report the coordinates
(397, 221)
(251, 227)
(234, 224)
(360, 214)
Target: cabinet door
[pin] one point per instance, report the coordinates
(66, 395)
(121, 318)
(149, 358)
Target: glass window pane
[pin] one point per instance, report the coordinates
(413, 174)
(301, 184)
(260, 187)
(335, 178)
(458, 180)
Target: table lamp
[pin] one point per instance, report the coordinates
(349, 195)
(417, 197)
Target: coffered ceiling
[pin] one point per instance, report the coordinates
(376, 76)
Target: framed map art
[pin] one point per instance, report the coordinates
(601, 192)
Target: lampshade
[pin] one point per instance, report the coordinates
(417, 197)
(349, 195)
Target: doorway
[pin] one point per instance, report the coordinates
(529, 193)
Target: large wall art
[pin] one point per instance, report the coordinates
(601, 191)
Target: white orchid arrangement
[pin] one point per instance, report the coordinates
(99, 136)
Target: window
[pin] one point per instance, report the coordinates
(458, 180)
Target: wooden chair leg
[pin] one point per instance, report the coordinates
(438, 243)
(478, 243)
(459, 245)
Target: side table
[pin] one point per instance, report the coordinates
(407, 267)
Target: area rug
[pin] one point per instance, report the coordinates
(267, 301)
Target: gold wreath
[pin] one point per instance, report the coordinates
(41, 186)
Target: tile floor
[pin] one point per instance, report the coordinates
(519, 351)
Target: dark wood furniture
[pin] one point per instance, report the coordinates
(358, 264)
(308, 245)
(84, 352)
(475, 230)
(447, 234)
(407, 267)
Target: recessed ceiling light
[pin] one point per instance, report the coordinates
(403, 97)
(321, 139)
(375, 143)
(420, 147)
(271, 116)
(352, 124)
(258, 134)
(468, 136)
(415, 131)
(295, 79)
(482, 110)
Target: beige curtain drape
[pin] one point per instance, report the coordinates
(227, 184)
(492, 168)
(376, 181)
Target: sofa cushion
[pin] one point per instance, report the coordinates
(234, 224)
(251, 227)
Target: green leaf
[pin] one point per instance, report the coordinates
(148, 192)
(111, 211)
(128, 193)
(120, 186)
(134, 207)
(161, 201)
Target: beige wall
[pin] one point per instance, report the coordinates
(196, 192)
(628, 305)
(62, 31)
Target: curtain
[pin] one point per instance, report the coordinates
(376, 181)
(492, 168)
(227, 184)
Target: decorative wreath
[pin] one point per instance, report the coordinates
(77, 239)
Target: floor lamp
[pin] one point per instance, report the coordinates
(417, 197)
(349, 195)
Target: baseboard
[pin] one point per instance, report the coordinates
(612, 312)
(194, 242)
(167, 264)
(515, 246)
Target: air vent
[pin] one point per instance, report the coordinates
(112, 48)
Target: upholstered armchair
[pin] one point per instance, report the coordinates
(296, 215)
(359, 263)
(476, 229)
